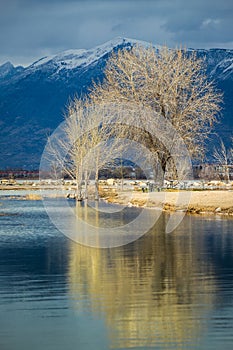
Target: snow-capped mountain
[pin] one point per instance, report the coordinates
(33, 99)
(81, 58)
(7, 70)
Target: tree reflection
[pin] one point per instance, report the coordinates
(154, 291)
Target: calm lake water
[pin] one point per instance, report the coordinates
(163, 291)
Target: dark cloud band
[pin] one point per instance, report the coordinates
(30, 29)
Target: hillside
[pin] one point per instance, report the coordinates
(33, 99)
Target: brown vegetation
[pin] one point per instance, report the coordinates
(200, 202)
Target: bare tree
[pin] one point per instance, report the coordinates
(86, 143)
(67, 148)
(169, 82)
(223, 156)
(104, 143)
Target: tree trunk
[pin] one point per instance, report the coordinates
(79, 191)
(227, 172)
(86, 186)
(97, 186)
(78, 194)
(160, 169)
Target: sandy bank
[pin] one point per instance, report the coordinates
(212, 201)
(198, 202)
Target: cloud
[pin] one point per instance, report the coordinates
(30, 29)
(210, 22)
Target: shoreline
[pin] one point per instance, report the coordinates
(192, 202)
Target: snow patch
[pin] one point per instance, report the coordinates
(72, 59)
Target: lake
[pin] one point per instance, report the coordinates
(162, 291)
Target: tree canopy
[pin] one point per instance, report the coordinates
(171, 82)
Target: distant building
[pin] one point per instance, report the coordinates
(212, 171)
(19, 174)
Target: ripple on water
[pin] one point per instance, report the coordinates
(163, 291)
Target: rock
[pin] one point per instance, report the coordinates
(218, 210)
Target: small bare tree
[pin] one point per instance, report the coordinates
(85, 144)
(68, 147)
(104, 144)
(223, 157)
(169, 82)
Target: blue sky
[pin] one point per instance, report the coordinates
(30, 29)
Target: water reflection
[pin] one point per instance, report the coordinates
(106, 226)
(155, 291)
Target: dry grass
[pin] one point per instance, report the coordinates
(33, 197)
(199, 202)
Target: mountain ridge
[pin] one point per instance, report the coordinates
(33, 99)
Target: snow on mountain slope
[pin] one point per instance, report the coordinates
(68, 61)
(219, 61)
(224, 69)
(7, 70)
(33, 99)
(71, 59)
